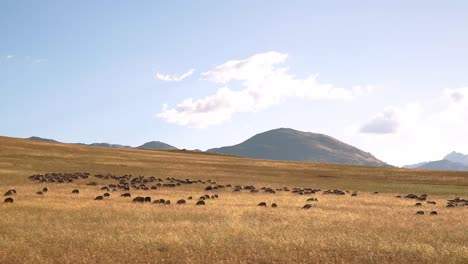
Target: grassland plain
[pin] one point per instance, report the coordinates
(59, 227)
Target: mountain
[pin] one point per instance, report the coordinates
(156, 145)
(414, 166)
(293, 145)
(43, 139)
(457, 157)
(148, 145)
(444, 165)
(107, 145)
(453, 161)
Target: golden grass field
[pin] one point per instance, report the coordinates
(59, 227)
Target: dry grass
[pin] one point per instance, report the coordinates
(63, 228)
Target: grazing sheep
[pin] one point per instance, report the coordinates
(262, 204)
(189, 198)
(8, 200)
(312, 200)
(420, 212)
(162, 201)
(431, 202)
(201, 202)
(76, 191)
(433, 213)
(376, 192)
(418, 204)
(45, 189)
(274, 205)
(168, 202)
(307, 206)
(398, 196)
(10, 192)
(181, 201)
(126, 195)
(107, 195)
(39, 193)
(98, 198)
(147, 199)
(139, 199)
(105, 188)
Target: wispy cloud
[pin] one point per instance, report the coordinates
(265, 82)
(174, 77)
(9, 56)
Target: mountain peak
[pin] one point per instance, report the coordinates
(457, 157)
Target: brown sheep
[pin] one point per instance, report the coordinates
(9, 192)
(420, 212)
(307, 206)
(126, 195)
(45, 189)
(190, 198)
(106, 195)
(39, 193)
(274, 205)
(433, 213)
(262, 204)
(8, 200)
(168, 202)
(98, 198)
(201, 202)
(139, 199)
(76, 191)
(181, 201)
(147, 199)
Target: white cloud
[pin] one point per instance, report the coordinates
(383, 123)
(427, 130)
(265, 82)
(174, 77)
(9, 56)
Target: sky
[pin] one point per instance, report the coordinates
(389, 77)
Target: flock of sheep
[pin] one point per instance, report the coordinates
(127, 183)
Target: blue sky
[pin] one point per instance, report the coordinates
(389, 77)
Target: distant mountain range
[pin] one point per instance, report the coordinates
(453, 161)
(293, 145)
(278, 144)
(149, 145)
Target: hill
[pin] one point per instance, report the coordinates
(43, 139)
(21, 157)
(292, 145)
(156, 145)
